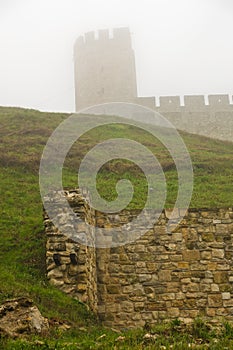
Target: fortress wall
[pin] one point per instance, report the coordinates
(105, 72)
(212, 120)
(218, 125)
(186, 274)
(195, 102)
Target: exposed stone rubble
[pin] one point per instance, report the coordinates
(19, 317)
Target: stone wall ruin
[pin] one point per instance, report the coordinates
(185, 274)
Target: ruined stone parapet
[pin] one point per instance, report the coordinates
(185, 274)
(71, 266)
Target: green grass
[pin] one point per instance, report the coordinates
(23, 135)
(173, 335)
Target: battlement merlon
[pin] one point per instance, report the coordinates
(219, 100)
(195, 101)
(169, 102)
(121, 36)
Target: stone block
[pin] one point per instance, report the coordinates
(164, 275)
(210, 311)
(81, 287)
(82, 258)
(123, 257)
(113, 308)
(190, 303)
(201, 303)
(194, 314)
(185, 280)
(177, 303)
(215, 300)
(139, 248)
(127, 289)
(173, 312)
(177, 236)
(114, 268)
(221, 228)
(137, 298)
(173, 287)
(142, 264)
(225, 287)
(216, 221)
(176, 257)
(221, 312)
(218, 253)
(220, 277)
(73, 270)
(56, 273)
(226, 296)
(206, 255)
(149, 290)
(205, 287)
(147, 316)
(191, 255)
(144, 277)
(139, 306)
(128, 268)
(127, 306)
(228, 303)
(208, 237)
(152, 267)
(136, 317)
(212, 266)
(151, 306)
(155, 315)
(183, 265)
(168, 296)
(214, 288)
(56, 283)
(180, 296)
(194, 295)
(141, 270)
(113, 289)
(162, 315)
(197, 266)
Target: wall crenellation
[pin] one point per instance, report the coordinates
(186, 274)
(192, 103)
(119, 35)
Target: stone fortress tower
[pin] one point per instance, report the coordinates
(105, 72)
(104, 68)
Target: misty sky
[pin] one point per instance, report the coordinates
(181, 46)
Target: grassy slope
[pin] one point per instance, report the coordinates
(23, 134)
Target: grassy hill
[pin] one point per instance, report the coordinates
(23, 135)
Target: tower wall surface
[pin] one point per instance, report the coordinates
(104, 68)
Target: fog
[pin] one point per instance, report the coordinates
(181, 47)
